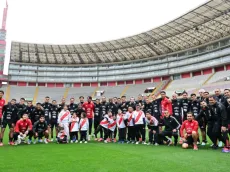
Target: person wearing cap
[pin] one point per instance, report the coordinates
(152, 124)
(89, 109)
(139, 123)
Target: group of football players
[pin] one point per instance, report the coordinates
(166, 118)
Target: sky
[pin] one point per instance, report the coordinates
(87, 21)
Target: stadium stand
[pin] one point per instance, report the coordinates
(219, 75)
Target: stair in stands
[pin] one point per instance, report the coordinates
(35, 95)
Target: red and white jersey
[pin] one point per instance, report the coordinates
(152, 121)
(64, 116)
(129, 116)
(89, 109)
(2, 103)
(62, 134)
(105, 122)
(120, 121)
(23, 125)
(84, 124)
(138, 117)
(74, 124)
(189, 127)
(112, 124)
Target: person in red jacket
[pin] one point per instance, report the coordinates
(23, 128)
(89, 109)
(191, 136)
(166, 103)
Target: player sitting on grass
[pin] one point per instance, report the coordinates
(62, 135)
(40, 129)
(22, 129)
(191, 136)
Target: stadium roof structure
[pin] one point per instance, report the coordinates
(207, 23)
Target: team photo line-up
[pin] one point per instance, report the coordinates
(165, 119)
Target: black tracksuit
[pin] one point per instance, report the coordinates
(40, 128)
(124, 107)
(97, 119)
(177, 110)
(170, 124)
(148, 107)
(54, 116)
(185, 104)
(10, 115)
(216, 116)
(72, 108)
(29, 110)
(21, 109)
(36, 115)
(46, 108)
(195, 107)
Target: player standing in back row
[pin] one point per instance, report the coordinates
(89, 109)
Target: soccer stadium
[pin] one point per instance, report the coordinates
(138, 94)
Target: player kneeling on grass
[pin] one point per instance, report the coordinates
(74, 128)
(191, 136)
(40, 129)
(62, 135)
(171, 129)
(22, 129)
(84, 126)
(152, 124)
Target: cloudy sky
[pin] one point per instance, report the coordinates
(87, 21)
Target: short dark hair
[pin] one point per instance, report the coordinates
(1, 91)
(13, 99)
(22, 99)
(162, 91)
(226, 89)
(190, 113)
(214, 97)
(84, 114)
(42, 116)
(38, 103)
(29, 101)
(193, 94)
(206, 92)
(81, 97)
(47, 97)
(123, 96)
(54, 101)
(185, 92)
(72, 98)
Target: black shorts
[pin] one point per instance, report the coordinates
(41, 134)
(189, 140)
(5, 123)
(202, 124)
(53, 124)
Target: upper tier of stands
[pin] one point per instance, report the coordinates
(203, 25)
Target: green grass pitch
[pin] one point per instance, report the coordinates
(111, 157)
